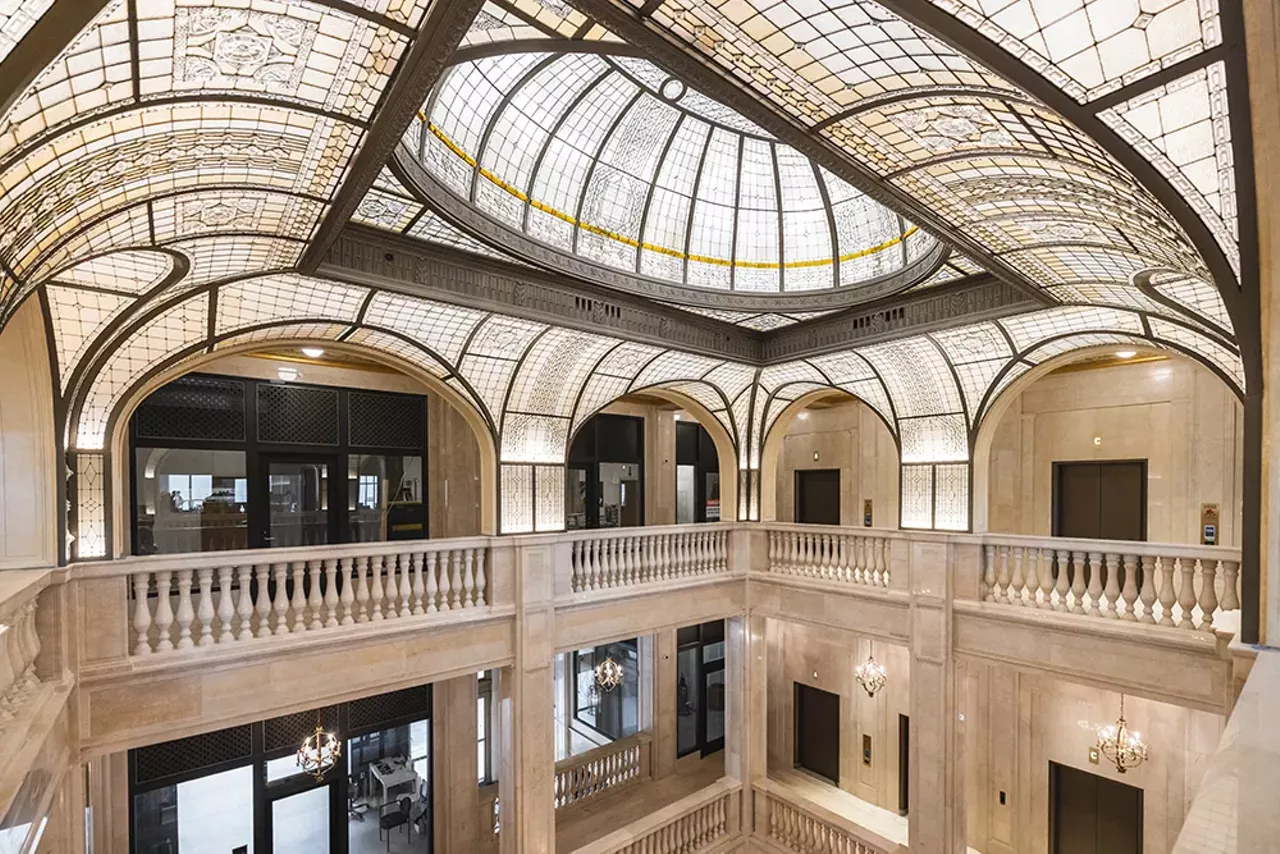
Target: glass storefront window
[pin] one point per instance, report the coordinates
(614, 714)
(389, 773)
(576, 497)
(208, 815)
(190, 500)
(384, 498)
(686, 500)
(620, 496)
(688, 700)
(713, 496)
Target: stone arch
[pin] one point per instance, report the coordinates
(118, 440)
(771, 447)
(997, 405)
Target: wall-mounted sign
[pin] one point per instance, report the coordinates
(866, 512)
(1209, 524)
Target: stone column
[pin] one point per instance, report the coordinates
(526, 755)
(936, 824)
(454, 764)
(746, 732)
(665, 720)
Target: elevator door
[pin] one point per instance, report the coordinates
(1100, 501)
(1089, 814)
(818, 496)
(817, 725)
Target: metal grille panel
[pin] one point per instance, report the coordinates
(193, 407)
(185, 755)
(380, 420)
(397, 705)
(290, 730)
(297, 415)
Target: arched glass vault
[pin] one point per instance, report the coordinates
(764, 165)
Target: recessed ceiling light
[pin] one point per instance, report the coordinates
(287, 373)
(804, 416)
(1126, 354)
(313, 352)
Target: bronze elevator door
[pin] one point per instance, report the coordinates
(1100, 501)
(818, 496)
(1089, 814)
(817, 723)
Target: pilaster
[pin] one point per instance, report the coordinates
(454, 764)
(746, 731)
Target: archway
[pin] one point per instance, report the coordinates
(866, 431)
(670, 406)
(457, 408)
(1169, 419)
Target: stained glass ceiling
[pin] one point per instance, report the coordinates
(611, 160)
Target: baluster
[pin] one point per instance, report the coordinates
(1168, 596)
(1077, 582)
(469, 581)
(330, 593)
(348, 596)
(1208, 593)
(1148, 594)
(989, 576)
(226, 607)
(1002, 593)
(1111, 591)
(376, 589)
(406, 585)
(575, 561)
(1230, 580)
(773, 550)
(298, 602)
(419, 589)
(432, 585)
(185, 612)
(164, 611)
(245, 603)
(362, 590)
(1032, 581)
(1044, 560)
(205, 611)
(1063, 581)
(482, 585)
(315, 599)
(141, 613)
(1186, 591)
(1014, 594)
(455, 581)
(1130, 590)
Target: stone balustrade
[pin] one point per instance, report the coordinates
(843, 555)
(1180, 586)
(184, 601)
(19, 641)
(607, 768)
(630, 557)
(792, 823)
(703, 821)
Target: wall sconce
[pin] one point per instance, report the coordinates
(815, 456)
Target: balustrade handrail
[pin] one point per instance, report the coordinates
(602, 769)
(233, 557)
(1135, 547)
(715, 814)
(637, 531)
(860, 530)
(769, 793)
(587, 756)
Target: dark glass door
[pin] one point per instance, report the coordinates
(301, 500)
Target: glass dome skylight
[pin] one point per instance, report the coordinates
(611, 160)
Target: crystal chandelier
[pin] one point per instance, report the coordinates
(319, 752)
(870, 675)
(608, 674)
(1122, 745)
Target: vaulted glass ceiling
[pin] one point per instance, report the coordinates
(612, 160)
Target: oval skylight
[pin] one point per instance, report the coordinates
(614, 162)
